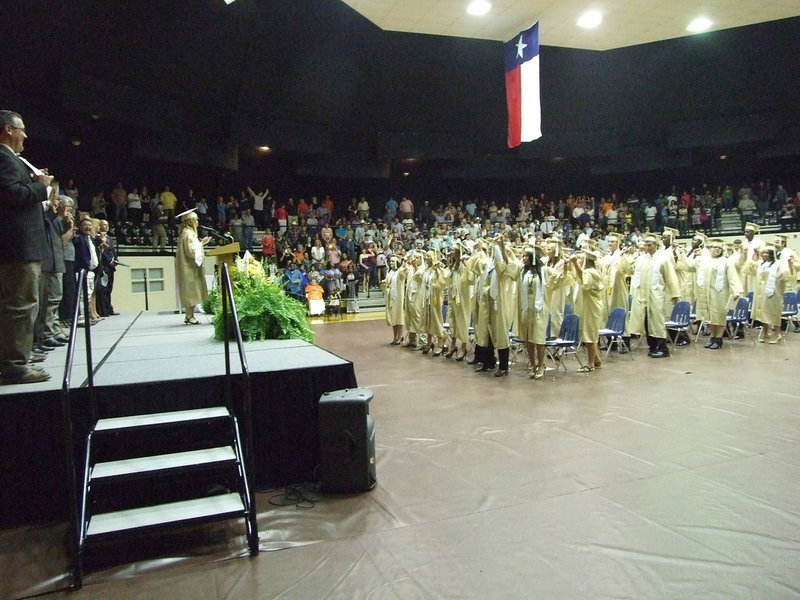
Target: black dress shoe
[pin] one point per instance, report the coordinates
(501, 373)
(473, 362)
(51, 344)
(484, 368)
(682, 342)
(659, 354)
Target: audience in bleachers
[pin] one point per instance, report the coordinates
(361, 228)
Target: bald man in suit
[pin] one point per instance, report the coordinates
(23, 190)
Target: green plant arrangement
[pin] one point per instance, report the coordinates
(265, 312)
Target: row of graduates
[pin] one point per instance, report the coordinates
(521, 290)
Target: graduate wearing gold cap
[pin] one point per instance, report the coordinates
(394, 285)
(415, 299)
(751, 246)
(495, 280)
(718, 283)
(189, 273)
(590, 304)
(533, 291)
(772, 277)
(460, 296)
(786, 254)
(556, 299)
(686, 264)
(434, 282)
(615, 266)
(653, 285)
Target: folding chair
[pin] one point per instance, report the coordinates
(789, 313)
(567, 341)
(739, 317)
(516, 345)
(614, 329)
(680, 321)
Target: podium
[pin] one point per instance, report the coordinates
(225, 255)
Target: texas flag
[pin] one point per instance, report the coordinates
(522, 87)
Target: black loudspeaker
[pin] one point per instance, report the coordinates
(347, 441)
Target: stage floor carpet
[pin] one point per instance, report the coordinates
(674, 478)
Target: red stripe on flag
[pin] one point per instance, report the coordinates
(514, 103)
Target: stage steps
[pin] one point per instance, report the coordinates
(138, 477)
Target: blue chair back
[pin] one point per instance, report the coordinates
(444, 313)
(741, 312)
(569, 328)
(680, 312)
(567, 309)
(750, 299)
(790, 302)
(616, 320)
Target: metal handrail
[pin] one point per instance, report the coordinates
(247, 413)
(75, 500)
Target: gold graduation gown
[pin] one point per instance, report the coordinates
(189, 275)
(653, 283)
(394, 287)
(460, 300)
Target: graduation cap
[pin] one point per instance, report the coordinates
(186, 213)
(650, 237)
(672, 233)
(752, 227)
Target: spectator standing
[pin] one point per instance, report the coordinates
(118, 211)
(47, 333)
(157, 222)
(248, 229)
(66, 227)
(22, 192)
(134, 201)
(169, 201)
(391, 206)
(406, 209)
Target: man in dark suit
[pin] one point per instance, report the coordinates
(23, 189)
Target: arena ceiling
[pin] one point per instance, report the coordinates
(625, 22)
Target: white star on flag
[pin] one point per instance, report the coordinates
(520, 47)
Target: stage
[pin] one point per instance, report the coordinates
(153, 362)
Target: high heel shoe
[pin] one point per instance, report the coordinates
(451, 353)
(426, 349)
(439, 353)
(461, 358)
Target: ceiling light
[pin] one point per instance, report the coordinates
(76, 143)
(723, 156)
(263, 148)
(590, 19)
(479, 8)
(699, 25)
